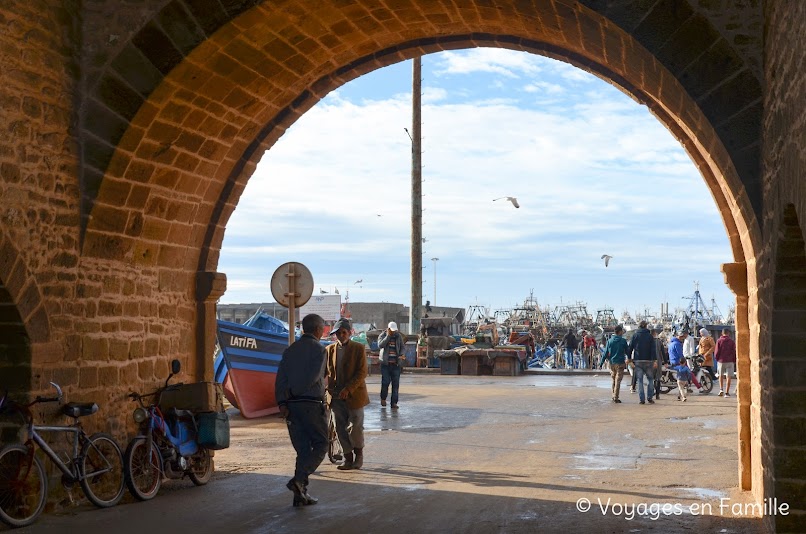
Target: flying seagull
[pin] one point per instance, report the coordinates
(322, 292)
(606, 258)
(359, 281)
(511, 199)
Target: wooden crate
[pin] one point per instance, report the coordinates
(473, 362)
(506, 366)
(449, 365)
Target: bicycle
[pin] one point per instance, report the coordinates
(96, 463)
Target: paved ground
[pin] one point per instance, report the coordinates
(472, 454)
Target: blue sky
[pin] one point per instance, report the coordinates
(594, 172)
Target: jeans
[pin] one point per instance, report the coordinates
(642, 369)
(349, 425)
(569, 358)
(390, 374)
(307, 428)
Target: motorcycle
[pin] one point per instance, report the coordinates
(166, 446)
(668, 377)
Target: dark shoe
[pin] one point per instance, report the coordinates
(394, 406)
(358, 463)
(383, 402)
(301, 497)
(617, 401)
(650, 401)
(641, 402)
(348, 462)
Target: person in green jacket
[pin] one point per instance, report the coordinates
(616, 353)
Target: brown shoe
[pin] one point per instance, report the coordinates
(358, 462)
(394, 406)
(383, 402)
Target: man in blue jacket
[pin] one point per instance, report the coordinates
(616, 353)
(300, 393)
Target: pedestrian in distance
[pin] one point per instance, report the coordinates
(642, 352)
(706, 350)
(616, 353)
(346, 375)
(683, 376)
(660, 351)
(300, 394)
(725, 354)
(570, 344)
(392, 345)
(676, 356)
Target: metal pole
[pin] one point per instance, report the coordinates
(435, 260)
(416, 200)
(292, 302)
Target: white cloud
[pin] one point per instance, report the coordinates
(493, 60)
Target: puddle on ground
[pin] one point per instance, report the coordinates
(592, 462)
(704, 493)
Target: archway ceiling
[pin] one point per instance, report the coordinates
(257, 68)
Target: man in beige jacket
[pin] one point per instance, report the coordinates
(346, 370)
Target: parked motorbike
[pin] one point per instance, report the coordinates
(668, 377)
(166, 446)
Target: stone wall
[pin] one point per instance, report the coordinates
(38, 182)
(782, 284)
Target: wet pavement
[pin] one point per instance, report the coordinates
(472, 454)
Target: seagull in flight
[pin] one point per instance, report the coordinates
(322, 292)
(359, 281)
(511, 199)
(606, 258)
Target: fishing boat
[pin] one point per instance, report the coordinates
(246, 362)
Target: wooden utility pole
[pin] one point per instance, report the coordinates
(416, 201)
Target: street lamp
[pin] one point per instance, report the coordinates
(435, 260)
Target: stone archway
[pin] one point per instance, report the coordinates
(178, 119)
(24, 324)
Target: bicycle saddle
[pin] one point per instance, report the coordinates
(79, 409)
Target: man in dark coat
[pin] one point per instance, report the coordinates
(300, 393)
(642, 350)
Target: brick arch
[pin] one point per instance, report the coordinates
(178, 120)
(214, 105)
(23, 320)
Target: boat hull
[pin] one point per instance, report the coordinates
(246, 366)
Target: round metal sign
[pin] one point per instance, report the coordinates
(288, 275)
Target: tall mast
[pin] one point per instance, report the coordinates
(416, 200)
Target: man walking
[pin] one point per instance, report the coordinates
(300, 393)
(570, 344)
(616, 353)
(346, 372)
(642, 351)
(725, 354)
(392, 345)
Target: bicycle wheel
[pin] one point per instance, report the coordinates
(706, 382)
(201, 468)
(143, 475)
(102, 470)
(23, 486)
(334, 451)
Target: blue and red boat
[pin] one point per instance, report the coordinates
(247, 361)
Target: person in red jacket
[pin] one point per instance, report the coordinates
(725, 354)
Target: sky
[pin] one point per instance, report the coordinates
(593, 171)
